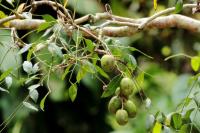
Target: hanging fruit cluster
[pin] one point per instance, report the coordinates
(120, 104)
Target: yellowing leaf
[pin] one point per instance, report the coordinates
(157, 128)
(195, 63)
(65, 3)
(3, 15)
(155, 4)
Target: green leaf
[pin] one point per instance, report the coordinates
(5, 74)
(45, 25)
(66, 72)
(101, 71)
(77, 36)
(4, 90)
(81, 73)
(134, 49)
(33, 87)
(195, 63)
(43, 101)
(157, 128)
(48, 18)
(30, 106)
(54, 49)
(25, 48)
(195, 118)
(176, 121)
(112, 86)
(185, 128)
(73, 92)
(90, 45)
(30, 52)
(186, 117)
(130, 61)
(140, 79)
(89, 67)
(10, 2)
(179, 6)
(34, 95)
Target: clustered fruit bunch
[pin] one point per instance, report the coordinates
(120, 104)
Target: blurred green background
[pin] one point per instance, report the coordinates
(166, 86)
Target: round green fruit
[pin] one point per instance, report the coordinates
(108, 63)
(122, 117)
(114, 104)
(126, 86)
(117, 91)
(130, 107)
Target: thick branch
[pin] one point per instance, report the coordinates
(175, 20)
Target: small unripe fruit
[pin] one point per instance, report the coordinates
(114, 104)
(117, 91)
(130, 107)
(126, 86)
(108, 63)
(122, 117)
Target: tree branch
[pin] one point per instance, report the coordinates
(175, 21)
(117, 26)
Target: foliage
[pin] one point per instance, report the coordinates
(143, 73)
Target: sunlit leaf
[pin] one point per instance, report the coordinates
(10, 2)
(195, 63)
(73, 92)
(155, 4)
(25, 48)
(65, 3)
(4, 90)
(42, 102)
(48, 18)
(35, 67)
(157, 128)
(3, 15)
(44, 26)
(33, 87)
(112, 86)
(8, 81)
(30, 106)
(34, 95)
(28, 67)
(55, 50)
(5, 74)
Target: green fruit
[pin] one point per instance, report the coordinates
(114, 104)
(126, 86)
(130, 107)
(122, 117)
(108, 63)
(117, 91)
